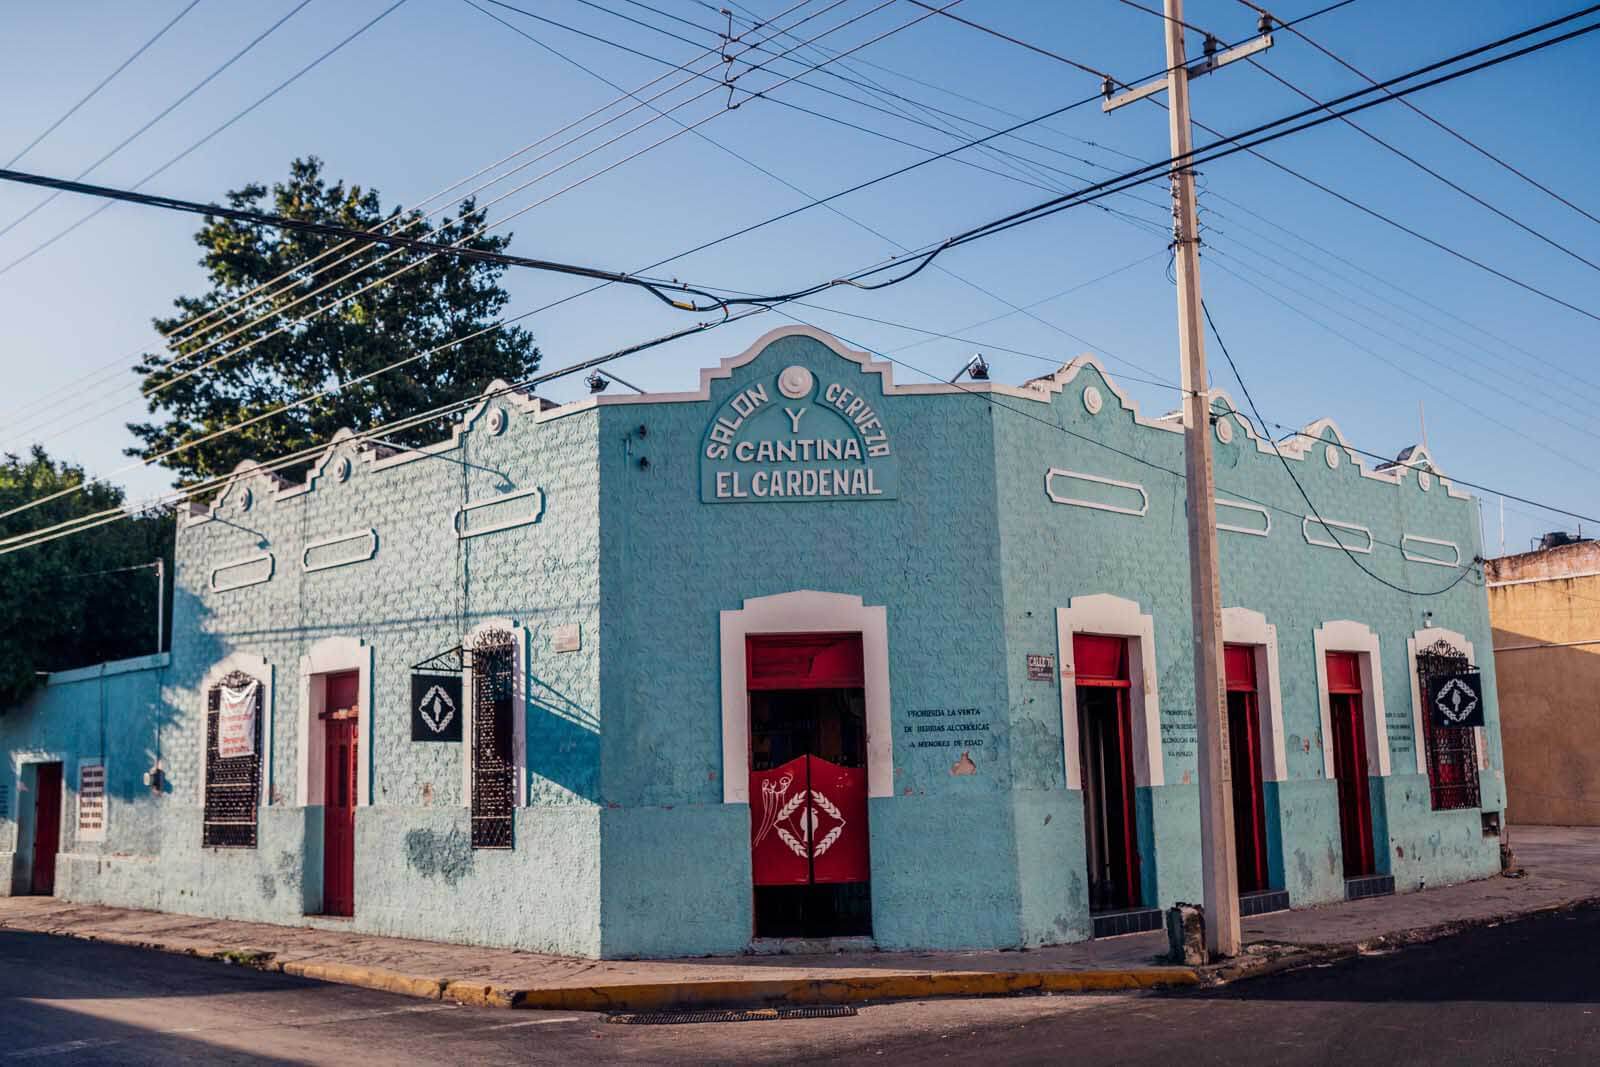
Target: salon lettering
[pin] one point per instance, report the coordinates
(793, 438)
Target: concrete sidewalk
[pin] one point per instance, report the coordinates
(1562, 870)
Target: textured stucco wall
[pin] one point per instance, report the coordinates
(1547, 656)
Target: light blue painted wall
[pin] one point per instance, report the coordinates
(625, 847)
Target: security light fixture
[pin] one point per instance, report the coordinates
(975, 367)
(597, 382)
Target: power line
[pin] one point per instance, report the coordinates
(101, 84)
(1469, 142)
(1374, 575)
(168, 382)
(274, 91)
(164, 112)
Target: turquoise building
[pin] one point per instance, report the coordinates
(801, 654)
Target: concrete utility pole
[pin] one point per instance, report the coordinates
(1218, 870)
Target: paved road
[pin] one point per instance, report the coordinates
(1525, 993)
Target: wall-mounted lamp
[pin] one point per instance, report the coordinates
(598, 380)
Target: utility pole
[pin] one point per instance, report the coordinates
(1218, 871)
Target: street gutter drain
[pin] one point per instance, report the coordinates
(752, 1015)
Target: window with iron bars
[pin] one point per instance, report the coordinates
(1452, 751)
(233, 785)
(494, 769)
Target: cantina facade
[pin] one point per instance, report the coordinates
(804, 653)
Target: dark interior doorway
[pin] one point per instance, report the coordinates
(1244, 746)
(808, 759)
(1348, 722)
(46, 827)
(1105, 759)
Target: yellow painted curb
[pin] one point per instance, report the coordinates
(648, 996)
(367, 977)
(478, 995)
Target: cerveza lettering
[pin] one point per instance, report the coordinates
(769, 477)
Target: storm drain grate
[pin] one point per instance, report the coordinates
(751, 1015)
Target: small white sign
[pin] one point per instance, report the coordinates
(568, 638)
(91, 801)
(236, 722)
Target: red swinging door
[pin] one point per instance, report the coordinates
(1348, 722)
(341, 731)
(809, 840)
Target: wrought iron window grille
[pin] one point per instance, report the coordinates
(494, 769)
(232, 785)
(1452, 751)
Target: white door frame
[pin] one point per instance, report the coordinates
(1113, 616)
(804, 611)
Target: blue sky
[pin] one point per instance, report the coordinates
(1362, 325)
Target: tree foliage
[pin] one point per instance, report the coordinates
(59, 608)
(257, 367)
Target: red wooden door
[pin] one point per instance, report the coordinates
(1244, 742)
(1350, 763)
(339, 818)
(46, 827)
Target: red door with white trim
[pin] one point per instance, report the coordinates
(1348, 722)
(341, 758)
(1244, 744)
(809, 840)
(46, 827)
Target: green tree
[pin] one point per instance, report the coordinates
(70, 602)
(297, 352)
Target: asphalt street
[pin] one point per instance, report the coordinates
(1526, 993)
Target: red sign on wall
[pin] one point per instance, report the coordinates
(808, 823)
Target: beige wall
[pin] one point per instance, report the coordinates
(1549, 693)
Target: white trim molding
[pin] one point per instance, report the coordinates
(1345, 635)
(1241, 626)
(240, 564)
(1437, 542)
(799, 612)
(359, 555)
(333, 655)
(1058, 472)
(1418, 641)
(534, 513)
(1113, 616)
(1331, 525)
(519, 705)
(258, 668)
(1265, 530)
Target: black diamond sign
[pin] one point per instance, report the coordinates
(436, 711)
(1457, 699)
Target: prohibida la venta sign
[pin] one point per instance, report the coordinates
(798, 435)
(436, 711)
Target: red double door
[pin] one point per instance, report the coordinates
(1348, 722)
(46, 827)
(341, 758)
(808, 824)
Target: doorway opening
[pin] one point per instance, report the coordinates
(46, 828)
(1105, 755)
(340, 719)
(1348, 722)
(1244, 744)
(809, 836)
